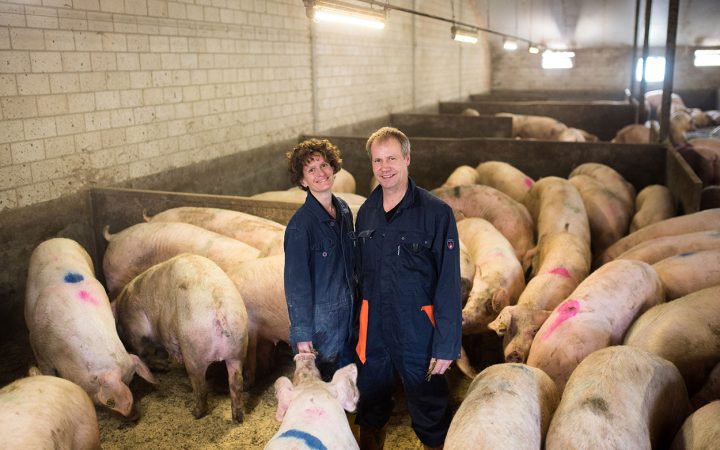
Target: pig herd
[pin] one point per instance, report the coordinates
(608, 305)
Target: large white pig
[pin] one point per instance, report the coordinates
(72, 329)
(508, 216)
(619, 398)
(505, 178)
(42, 412)
(188, 306)
(313, 411)
(708, 219)
(655, 250)
(709, 391)
(608, 215)
(499, 277)
(461, 176)
(143, 245)
(633, 134)
(556, 206)
(689, 272)
(685, 332)
(263, 234)
(701, 430)
(535, 127)
(594, 316)
(612, 180)
(561, 263)
(506, 406)
(652, 204)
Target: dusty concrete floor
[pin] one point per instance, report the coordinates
(167, 421)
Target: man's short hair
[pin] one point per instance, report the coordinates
(385, 133)
(301, 154)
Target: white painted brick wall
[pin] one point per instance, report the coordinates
(94, 92)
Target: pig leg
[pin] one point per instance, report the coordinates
(235, 379)
(138, 333)
(250, 366)
(196, 371)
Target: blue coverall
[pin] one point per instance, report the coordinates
(320, 281)
(409, 275)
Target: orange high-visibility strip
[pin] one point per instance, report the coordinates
(362, 338)
(430, 311)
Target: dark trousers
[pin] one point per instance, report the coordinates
(427, 401)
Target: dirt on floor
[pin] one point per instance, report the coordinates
(167, 420)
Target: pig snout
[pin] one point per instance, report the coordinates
(514, 357)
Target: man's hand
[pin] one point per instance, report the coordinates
(438, 367)
(305, 347)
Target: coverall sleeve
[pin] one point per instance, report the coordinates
(298, 283)
(447, 304)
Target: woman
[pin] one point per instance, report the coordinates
(319, 242)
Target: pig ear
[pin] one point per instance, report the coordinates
(500, 299)
(284, 395)
(142, 370)
(114, 394)
(502, 323)
(344, 387)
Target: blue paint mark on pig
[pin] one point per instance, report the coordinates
(72, 277)
(311, 441)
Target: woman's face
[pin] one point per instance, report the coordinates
(318, 174)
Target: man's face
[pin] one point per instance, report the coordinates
(388, 164)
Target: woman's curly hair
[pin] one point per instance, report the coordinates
(300, 155)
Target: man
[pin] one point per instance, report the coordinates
(410, 317)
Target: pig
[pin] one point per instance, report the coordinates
(561, 263)
(505, 178)
(535, 127)
(701, 430)
(689, 272)
(619, 397)
(508, 216)
(655, 250)
(311, 410)
(703, 156)
(608, 215)
(189, 307)
(634, 134)
(700, 118)
(709, 391)
(344, 182)
(499, 277)
(44, 412)
(467, 272)
(684, 332)
(571, 135)
(462, 175)
(556, 206)
(653, 204)
(506, 406)
(72, 329)
(470, 112)
(263, 234)
(699, 221)
(594, 316)
(653, 101)
(680, 123)
(140, 246)
(612, 181)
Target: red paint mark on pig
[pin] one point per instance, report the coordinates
(315, 413)
(87, 297)
(528, 181)
(565, 311)
(563, 272)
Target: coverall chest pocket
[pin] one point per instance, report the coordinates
(416, 264)
(323, 248)
(414, 242)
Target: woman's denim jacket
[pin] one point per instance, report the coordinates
(319, 278)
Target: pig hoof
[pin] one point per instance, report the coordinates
(199, 412)
(514, 357)
(238, 416)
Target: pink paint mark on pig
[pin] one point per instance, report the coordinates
(565, 311)
(528, 181)
(563, 272)
(315, 413)
(87, 297)
(497, 254)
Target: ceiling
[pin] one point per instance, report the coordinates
(600, 23)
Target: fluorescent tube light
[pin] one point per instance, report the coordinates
(463, 35)
(346, 13)
(510, 45)
(534, 50)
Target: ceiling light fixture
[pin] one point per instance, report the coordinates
(510, 45)
(464, 35)
(341, 12)
(533, 49)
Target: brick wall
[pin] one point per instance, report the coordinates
(595, 69)
(97, 92)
